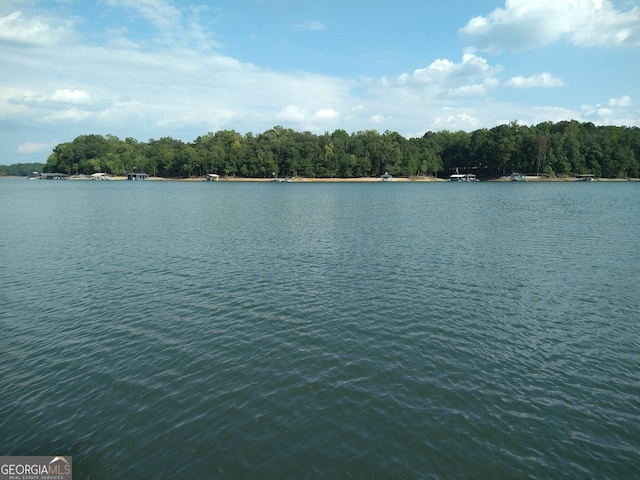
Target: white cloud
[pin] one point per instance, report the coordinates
(527, 24)
(545, 80)
(32, 147)
(554, 114)
(597, 113)
(443, 70)
(70, 96)
(19, 29)
(460, 121)
(327, 114)
(55, 100)
(440, 84)
(175, 26)
(615, 111)
(467, 91)
(160, 13)
(377, 118)
(73, 115)
(475, 90)
(293, 113)
(149, 91)
(622, 102)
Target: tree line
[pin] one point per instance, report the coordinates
(567, 147)
(21, 169)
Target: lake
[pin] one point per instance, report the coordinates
(314, 330)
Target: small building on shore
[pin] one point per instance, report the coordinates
(386, 177)
(137, 176)
(212, 177)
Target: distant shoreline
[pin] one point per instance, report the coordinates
(413, 179)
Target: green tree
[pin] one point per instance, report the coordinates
(21, 169)
(563, 147)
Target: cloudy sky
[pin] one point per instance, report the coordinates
(157, 68)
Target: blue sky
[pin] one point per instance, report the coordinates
(157, 68)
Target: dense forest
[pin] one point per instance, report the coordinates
(567, 147)
(20, 169)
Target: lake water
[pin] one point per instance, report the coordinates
(265, 330)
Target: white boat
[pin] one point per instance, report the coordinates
(463, 177)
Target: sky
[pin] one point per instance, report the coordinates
(149, 69)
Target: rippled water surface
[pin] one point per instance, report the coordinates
(387, 330)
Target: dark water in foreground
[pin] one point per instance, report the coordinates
(197, 330)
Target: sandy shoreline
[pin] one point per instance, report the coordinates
(350, 180)
(377, 179)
